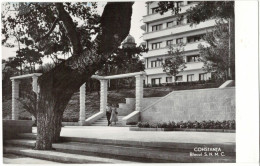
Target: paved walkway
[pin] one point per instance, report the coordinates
(123, 133)
(16, 159)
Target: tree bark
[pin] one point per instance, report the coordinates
(59, 84)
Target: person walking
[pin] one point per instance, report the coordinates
(108, 114)
(114, 113)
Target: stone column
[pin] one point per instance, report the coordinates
(15, 95)
(82, 97)
(138, 92)
(103, 95)
(35, 89)
(35, 84)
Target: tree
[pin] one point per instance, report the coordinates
(175, 62)
(29, 56)
(216, 56)
(124, 60)
(205, 10)
(59, 84)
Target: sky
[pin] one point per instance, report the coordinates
(139, 11)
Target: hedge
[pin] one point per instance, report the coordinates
(226, 124)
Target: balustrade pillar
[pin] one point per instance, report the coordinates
(138, 92)
(103, 95)
(35, 89)
(82, 98)
(15, 96)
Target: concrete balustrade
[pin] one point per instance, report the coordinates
(103, 92)
(15, 91)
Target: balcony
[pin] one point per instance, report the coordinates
(189, 66)
(177, 30)
(193, 66)
(164, 50)
(155, 70)
(158, 16)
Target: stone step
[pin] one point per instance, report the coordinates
(126, 106)
(231, 149)
(61, 156)
(129, 151)
(103, 122)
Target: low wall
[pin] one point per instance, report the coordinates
(193, 105)
(11, 128)
(70, 124)
(94, 118)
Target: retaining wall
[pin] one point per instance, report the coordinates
(193, 105)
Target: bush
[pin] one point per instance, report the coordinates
(70, 119)
(131, 123)
(230, 124)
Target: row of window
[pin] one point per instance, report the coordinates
(190, 78)
(158, 62)
(168, 24)
(178, 4)
(190, 39)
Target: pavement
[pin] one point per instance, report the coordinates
(16, 159)
(123, 133)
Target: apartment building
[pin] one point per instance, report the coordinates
(161, 31)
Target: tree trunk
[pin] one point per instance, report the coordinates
(59, 84)
(56, 89)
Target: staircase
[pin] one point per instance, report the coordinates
(103, 122)
(89, 150)
(123, 110)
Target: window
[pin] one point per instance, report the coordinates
(169, 42)
(154, 10)
(190, 77)
(156, 81)
(157, 27)
(168, 79)
(159, 63)
(180, 21)
(156, 45)
(156, 63)
(193, 58)
(179, 40)
(178, 78)
(196, 38)
(153, 64)
(203, 76)
(169, 24)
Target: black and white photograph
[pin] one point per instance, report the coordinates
(122, 82)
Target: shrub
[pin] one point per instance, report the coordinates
(230, 124)
(171, 125)
(131, 123)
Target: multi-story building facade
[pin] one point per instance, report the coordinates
(161, 31)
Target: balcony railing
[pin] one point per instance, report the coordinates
(158, 16)
(164, 51)
(178, 30)
(155, 70)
